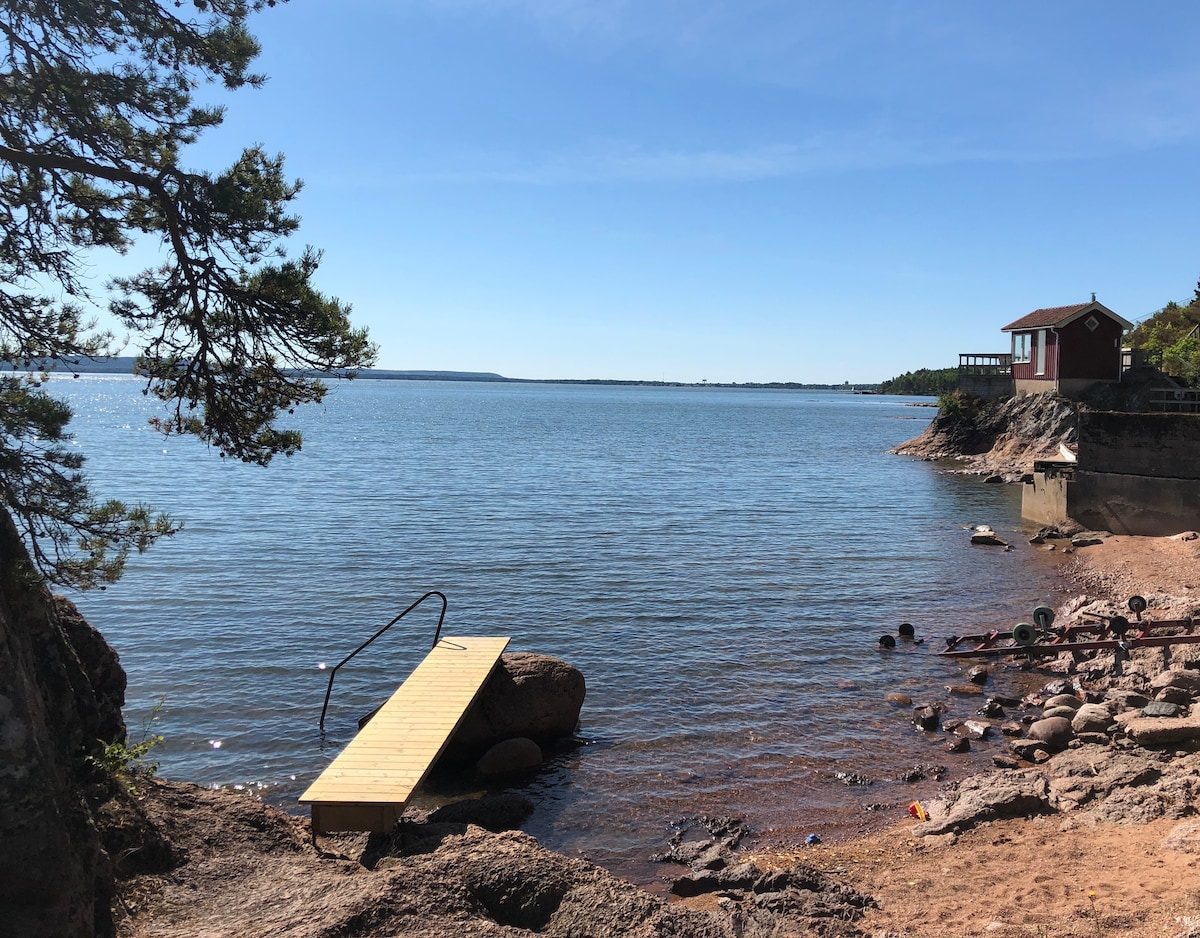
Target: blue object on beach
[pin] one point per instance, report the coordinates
(812, 839)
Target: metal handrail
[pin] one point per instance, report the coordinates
(436, 635)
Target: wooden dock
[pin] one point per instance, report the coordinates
(367, 786)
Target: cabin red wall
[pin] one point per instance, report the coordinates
(1027, 371)
(1091, 354)
(1075, 351)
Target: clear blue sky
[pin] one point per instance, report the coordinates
(729, 190)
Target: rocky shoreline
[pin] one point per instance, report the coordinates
(1086, 826)
(1081, 755)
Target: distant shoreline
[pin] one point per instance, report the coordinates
(125, 365)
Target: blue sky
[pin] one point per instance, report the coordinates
(728, 191)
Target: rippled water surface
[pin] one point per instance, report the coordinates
(718, 562)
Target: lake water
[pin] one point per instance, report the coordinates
(718, 562)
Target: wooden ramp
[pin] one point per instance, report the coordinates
(367, 786)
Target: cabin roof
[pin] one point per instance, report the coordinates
(1057, 316)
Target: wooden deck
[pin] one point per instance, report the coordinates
(367, 786)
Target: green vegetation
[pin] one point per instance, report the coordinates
(97, 105)
(928, 382)
(123, 761)
(959, 405)
(1170, 339)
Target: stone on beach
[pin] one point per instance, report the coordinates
(1053, 732)
(990, 797)
(1183, 678)
(1158, 731)
(1092, 718)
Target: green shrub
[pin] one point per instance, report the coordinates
(958, 405)
(124, 761)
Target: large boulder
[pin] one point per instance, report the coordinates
(985, 798)
(61, 690)
(1053, 732)
(528, 695)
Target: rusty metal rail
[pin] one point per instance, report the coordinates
(1106, 633)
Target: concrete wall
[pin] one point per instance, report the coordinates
(1156, 445)
(1044, 496)
(988, 387)
(1136, 474)
(1067, 387)
(1151, 506)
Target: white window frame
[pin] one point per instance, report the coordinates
(1041, 352)
(1020, 347)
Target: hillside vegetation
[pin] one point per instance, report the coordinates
(1170, 340)
(929, 382)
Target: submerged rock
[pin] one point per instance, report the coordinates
(510, 757)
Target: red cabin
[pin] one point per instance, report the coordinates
(1066, 348)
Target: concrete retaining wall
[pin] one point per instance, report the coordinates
(1150, 506)
(988, 387)
(1137, 474)
(1044, 496)
(1161, 445)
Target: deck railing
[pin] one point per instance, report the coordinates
(984, 364)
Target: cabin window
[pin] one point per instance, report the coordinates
(1020, 347)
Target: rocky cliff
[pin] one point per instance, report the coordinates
(61, 692)
(997, 438)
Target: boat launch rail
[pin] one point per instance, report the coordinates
(366, 787)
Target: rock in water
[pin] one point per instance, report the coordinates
(987, 537)
(528, 695)
(510, 757)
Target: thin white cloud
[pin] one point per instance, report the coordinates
(821, 154)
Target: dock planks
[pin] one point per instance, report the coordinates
(367, 786)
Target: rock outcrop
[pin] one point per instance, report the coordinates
(61, 692)
(998, 438)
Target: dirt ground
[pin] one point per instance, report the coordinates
(1165, 570)
(1024, 879)
(1045, 877)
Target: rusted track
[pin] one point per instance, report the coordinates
(1053, 642)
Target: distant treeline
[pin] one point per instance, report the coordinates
(928, 382)
(127, 365)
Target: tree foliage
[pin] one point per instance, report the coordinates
(927, 382)
(96, 110)
(1171, 339)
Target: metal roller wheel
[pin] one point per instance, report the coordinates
(1024, 634)
(1043, 617)
(1137, 604)
(1118, 625)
